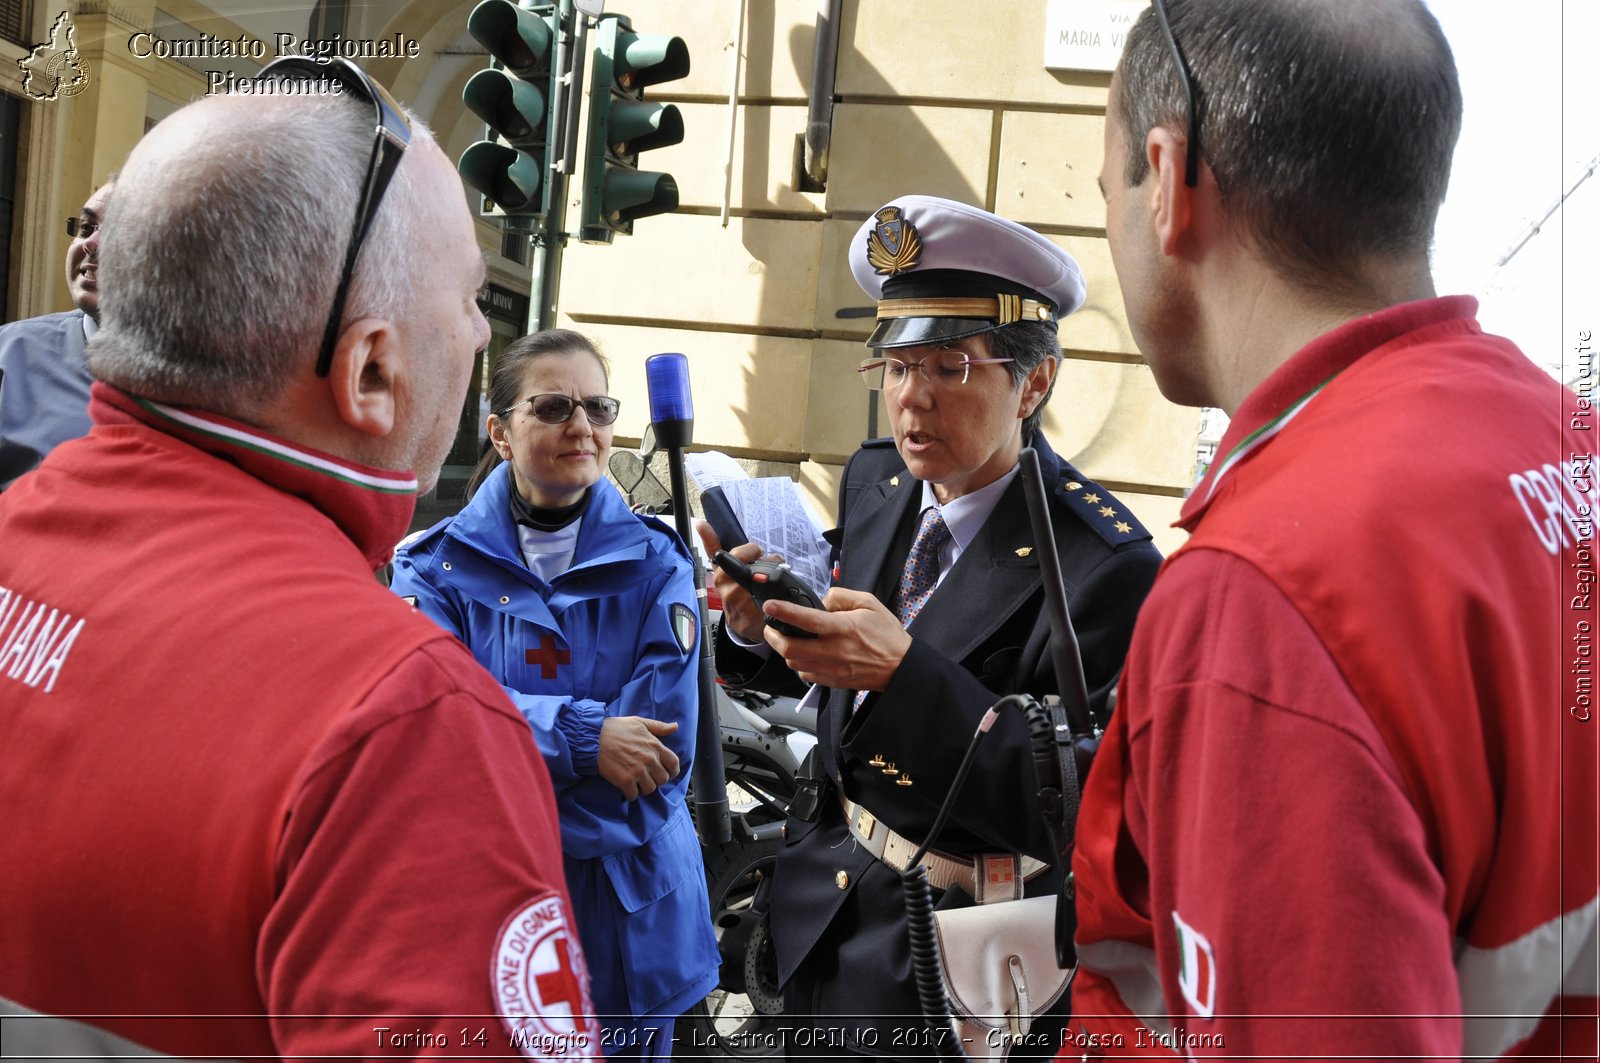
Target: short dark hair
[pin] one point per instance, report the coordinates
(1027, 344)
(505, 381)
(1328, 124)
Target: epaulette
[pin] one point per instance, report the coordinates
(1099, 508)
(876, 461)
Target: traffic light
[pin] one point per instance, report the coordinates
(622, 124)
(511, 170)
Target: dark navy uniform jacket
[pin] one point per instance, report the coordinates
(838, 913)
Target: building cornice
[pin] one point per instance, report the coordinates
(126, 17)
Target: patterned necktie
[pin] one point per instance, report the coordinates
(920, 575)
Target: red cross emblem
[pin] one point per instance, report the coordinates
(547, 657)
(560, 986)
(540, 985)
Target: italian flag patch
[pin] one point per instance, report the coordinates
(1197, 969)
(684, 627)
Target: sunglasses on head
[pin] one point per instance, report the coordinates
(1191, 163)
(558, 409)
(391, 135)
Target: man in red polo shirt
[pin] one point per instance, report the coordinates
(254, 804)
(1347, 803)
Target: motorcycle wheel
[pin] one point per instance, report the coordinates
(739, 1019)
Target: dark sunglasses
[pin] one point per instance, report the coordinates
(558, 409)
(1191, 165)
(392, 134)
(82, 228)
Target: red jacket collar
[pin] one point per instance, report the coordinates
(1290, 387)
(372, 506)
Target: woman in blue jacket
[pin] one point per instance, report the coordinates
(585, 613)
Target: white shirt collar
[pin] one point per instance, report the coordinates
(547, 553)
(964, 516)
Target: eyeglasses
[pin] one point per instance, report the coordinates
(558, 409)
(939, 370)
(392, 134)
(1191, 166)
(82, 228)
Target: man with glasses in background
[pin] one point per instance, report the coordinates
(937, 612)
(44, 380)
(255, 804)
(1346, 807)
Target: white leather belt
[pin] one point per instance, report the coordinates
(985, 876)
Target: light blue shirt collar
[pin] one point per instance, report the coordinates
(964, 516)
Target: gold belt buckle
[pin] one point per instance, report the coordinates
(866, 822)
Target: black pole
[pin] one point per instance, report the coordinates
(1064, 653)
(710, 788)
(672, 421)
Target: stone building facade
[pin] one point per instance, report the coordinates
(929, 96)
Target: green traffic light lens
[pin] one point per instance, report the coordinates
(517, 37)
(511, 107)
(505, 175)
(643, 60)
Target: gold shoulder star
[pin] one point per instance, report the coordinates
(1091, 498)
(1123, 527)
(1107, 511)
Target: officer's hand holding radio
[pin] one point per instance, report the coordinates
(770, 581)
(741, 614)
(852, 641)
(856, 645)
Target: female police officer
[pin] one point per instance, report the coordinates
(933, 525)
(585, 614)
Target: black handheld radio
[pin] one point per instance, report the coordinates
(770, 581)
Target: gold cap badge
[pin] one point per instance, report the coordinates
(893, 245)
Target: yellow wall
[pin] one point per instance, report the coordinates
(936, 97)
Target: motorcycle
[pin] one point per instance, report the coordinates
(769, 753)
(768, 749)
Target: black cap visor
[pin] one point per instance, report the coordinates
(926, 331)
